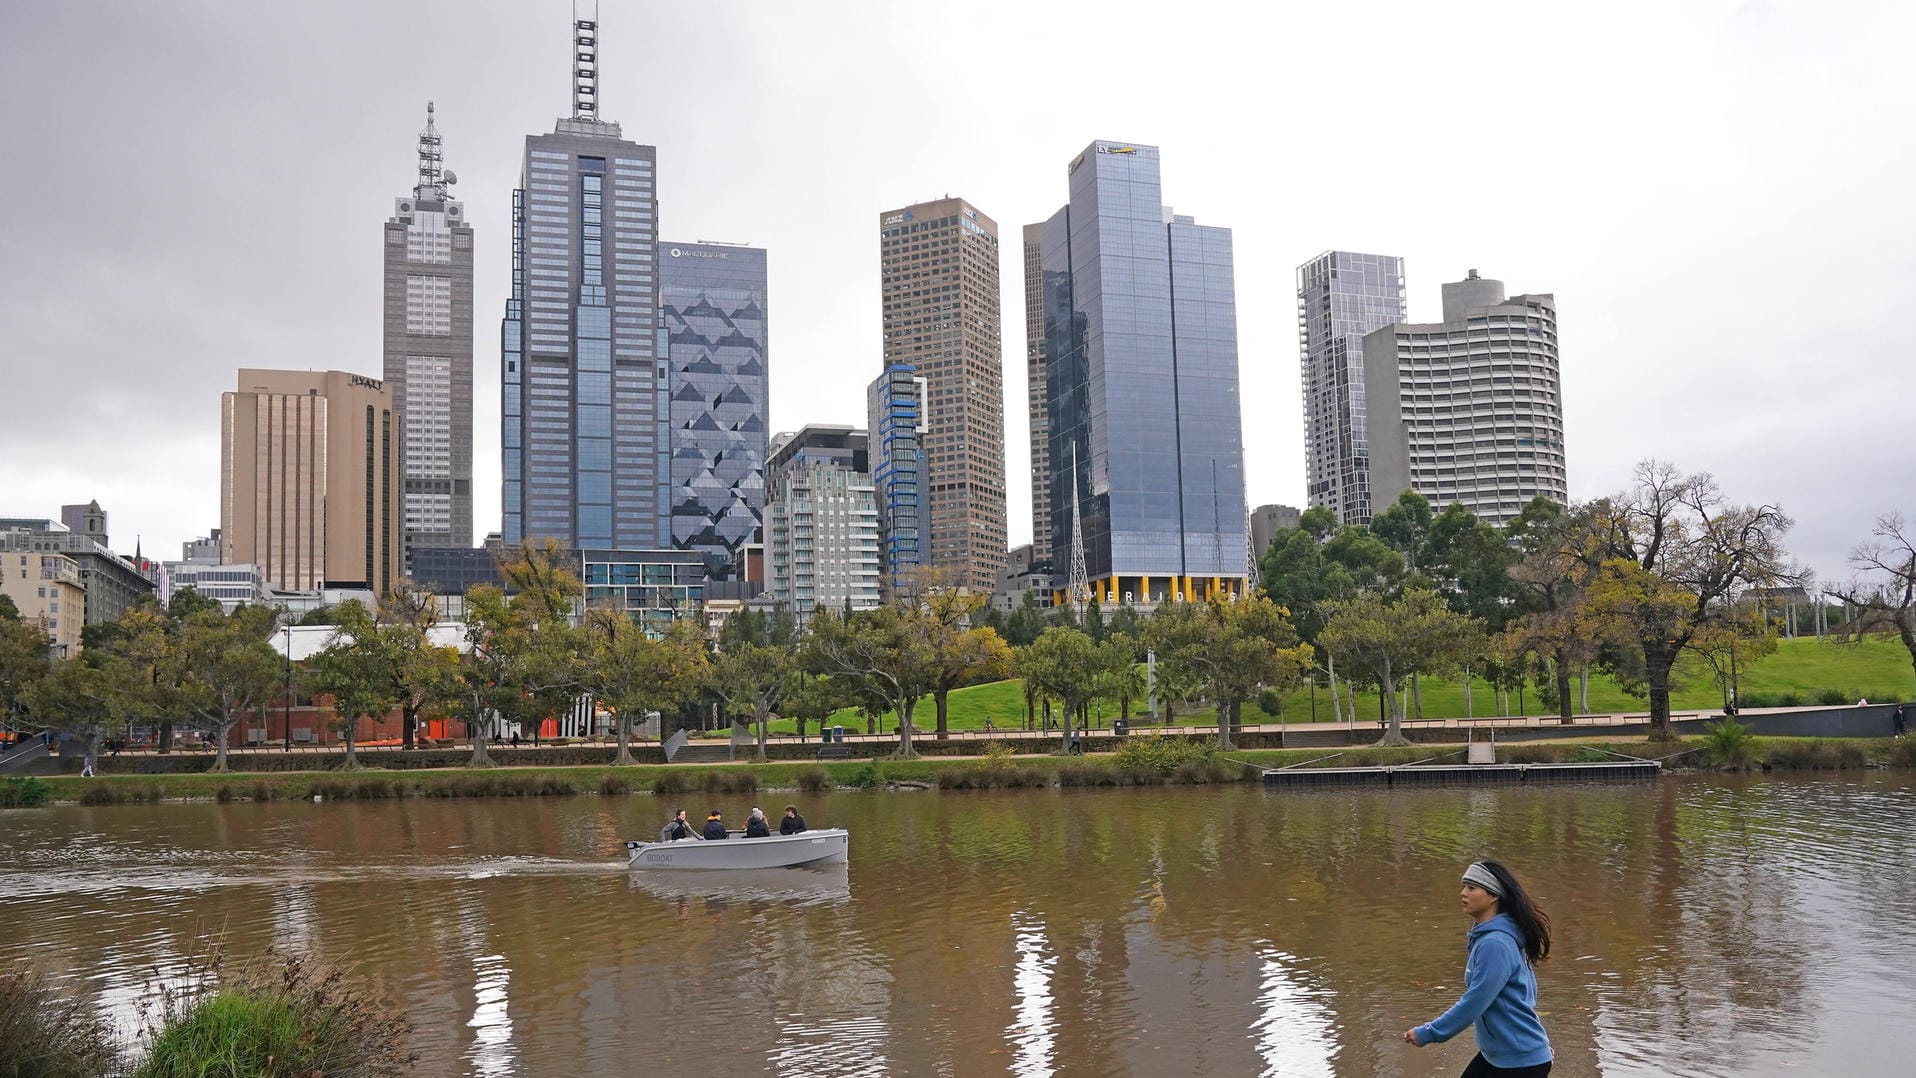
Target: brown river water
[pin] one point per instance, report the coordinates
(1704, 926)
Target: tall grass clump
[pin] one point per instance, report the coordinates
(672, 783)
(48, 1033)
(282, 1016)
(101, 793)
(23, 792)
(731, 782)
(1793, 755)
(1160, 755)
(1902, 752)
(612, 785)
(1728, 744)
(814, 780)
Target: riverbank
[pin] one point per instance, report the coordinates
(1139, 764)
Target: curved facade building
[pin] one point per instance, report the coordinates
(1469, 410)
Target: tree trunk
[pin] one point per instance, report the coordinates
(1468, 712)
(624, 758)
(1656, 666)
(352, 759)
(1394, 735)
(476, 729)
(1337, 706)
(938, 698)
(408, 727)
(1069, 711)
(1416, 696)
(905, 751)
(762, 717)
(1562, 663)
(1224, 724)
(165, 740)
(1583, 689)
(224, 727)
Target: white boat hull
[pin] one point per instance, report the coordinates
(825, 847)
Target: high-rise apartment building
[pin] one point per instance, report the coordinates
(428, 349)
(1469, 410)
(1040, 552)
(45, 588)
(1341, 296)
(821, 522)
(939, 278)
(310, 480)
(1147, 453)
(584, 394)
(714, 320)
(895, 411)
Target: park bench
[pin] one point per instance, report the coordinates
(834, 752)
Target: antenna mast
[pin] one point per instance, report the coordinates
(1078, 587)
(432, 177)
(585, 62)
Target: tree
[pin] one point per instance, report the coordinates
(1393, 639)
(1676, 558)
(635, 674)
(87, 697)
(756, 676)
(1232, 649)
(9, 611)
(1317, 562)
(494, 631)
(1026, 622)
(1728, 646)
(813, 697)
(425, 676)
(1558, 552)
(1123, 678)
(882, 656)
(355, 670)
(23, 662)
(961, 654)
(1883, 591)
(1065, 663)
(226, 669)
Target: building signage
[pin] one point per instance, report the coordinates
(680, 252)
(362, 380)
(899, 218)
(1102, 148)
(1079, 160)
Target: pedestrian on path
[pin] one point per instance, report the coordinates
(1902, 724)
(1509, 935)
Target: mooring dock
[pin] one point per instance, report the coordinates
(1464, 774)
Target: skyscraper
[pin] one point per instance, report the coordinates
(1035, 396)
(428, 348)
(310, 480)
(714, 320)
(895, 411)
(1340, 297)
(939, 279)
(821, 522)
(584, 392)
(1140, 315)
(1469, 410)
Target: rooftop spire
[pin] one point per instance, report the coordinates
(585, 60)
(432, 175)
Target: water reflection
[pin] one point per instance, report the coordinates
(1033, 1034)
(1293, 1033)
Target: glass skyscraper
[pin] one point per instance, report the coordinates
(714, 318)
(585, 391)
(1140, 320)
(895, 410)
(1341, 296)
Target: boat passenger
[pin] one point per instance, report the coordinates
(679, 828)
(793, 823)
(715, 825)
(756, 826)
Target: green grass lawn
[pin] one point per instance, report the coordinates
(1878, 669)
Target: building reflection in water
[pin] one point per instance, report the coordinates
(492, 1050)
(1034, 1033)
(1293, 1031)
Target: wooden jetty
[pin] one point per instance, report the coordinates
(1463, 774)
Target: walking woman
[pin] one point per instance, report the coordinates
(1509, 936)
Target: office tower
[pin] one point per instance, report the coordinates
(713, 313)
(895, 408)
(1469, 410)
(310, 480)
(1266, 522)
(428, 345)
(1341, 296)
(585, 450)
(821, 522)
(939, 278)
(1040, 553)
(1147, 455)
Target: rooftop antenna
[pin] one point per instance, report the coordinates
(432, 175)
(1078, 587)
(585, 61)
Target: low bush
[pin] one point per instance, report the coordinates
(1202, 772)
(1793, 755)
(23, 792)
(731, 782)
(814, 780)
(1728, 744)
(1902, 752)
(870, 776)
(1589, 754)
(612, 785)
(51, 1033)
(1834, 697)
(263, 791)
(1528, 754)
(224, 794)
(1163, 755)
(101, 793)
(672, 783)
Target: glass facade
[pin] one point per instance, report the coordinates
(583, 382)
(1341, 296)
(713, 313)
(1141, 379)
(896, 405)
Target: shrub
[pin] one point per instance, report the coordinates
(1790, 699)
(23, 792)
(280, 1017)
(224, 794)
(869, 776)
(731, 782)
(1728, 744)
(1528, 754)
(999, 752)
(44, 1031)
(263, 791)
(1834, 697)
(1204, 771)
(101, 793)
(1795, 755)
(1902, 752)
(1588, 754)
(1163, 755)
(1086, 774)
(614, 784)
(814, 780)
(375, 789)
(671, 783)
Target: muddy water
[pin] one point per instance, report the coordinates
(1704, 926)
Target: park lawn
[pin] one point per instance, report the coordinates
(1876, 669)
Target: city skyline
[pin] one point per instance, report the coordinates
(1722, 389)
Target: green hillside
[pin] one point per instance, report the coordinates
(1801, 671)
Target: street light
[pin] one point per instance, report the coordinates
(286, 725)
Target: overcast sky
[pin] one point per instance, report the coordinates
(1719, 195)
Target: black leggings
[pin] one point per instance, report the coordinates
(1481, 1068)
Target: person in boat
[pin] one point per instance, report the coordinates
(679, 828)
(756, 827)
(793, 823)
(715, 825)
(1508, 937)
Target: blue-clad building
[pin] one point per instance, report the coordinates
(1141, 372)
(896, 405)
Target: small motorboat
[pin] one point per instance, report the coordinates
(805, 885)
(824, 847)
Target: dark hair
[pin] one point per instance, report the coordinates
(1531, 920)
(791, 808)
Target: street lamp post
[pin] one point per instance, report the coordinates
(286, 726)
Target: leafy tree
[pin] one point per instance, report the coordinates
(425, 676)
(1123, 677)
(881, 654)
(755, 676)
(1726, 647)
(1558, 551)
(1094, 622)
(9, 611)
(1883, 590)
(961, 654)
(495, 633)
(1675, 560)
(226, 668)
(355, 670)
(1067, 664)
(636, 674)
(1393, 639)
(1405, 526)
(86, 697)
(23, 662)
(1127, 622)
(814, 697)
(1317, 562)
(1232, 649)
(1026, 622)
(319, 615)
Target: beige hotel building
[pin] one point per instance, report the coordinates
(310, 480)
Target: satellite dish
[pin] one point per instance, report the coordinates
(451, 176)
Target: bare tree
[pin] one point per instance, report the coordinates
(1883, 591)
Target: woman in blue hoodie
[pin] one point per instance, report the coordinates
(1509, 937)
